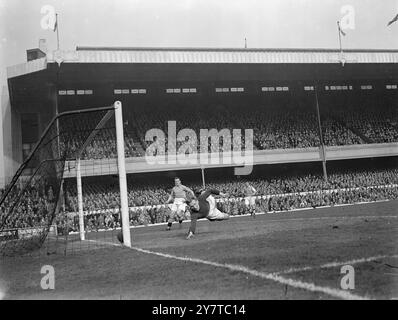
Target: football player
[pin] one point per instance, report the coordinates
(204, 206)
(178, 198)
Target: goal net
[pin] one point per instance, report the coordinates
(43, 207)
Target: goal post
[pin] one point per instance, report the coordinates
(122, 174)
(124, 212)
(80, 198)
(30, 205)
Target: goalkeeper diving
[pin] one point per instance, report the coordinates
(204, 206)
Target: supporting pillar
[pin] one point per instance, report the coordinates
(323, 154)
(122, 174)
(203, 178)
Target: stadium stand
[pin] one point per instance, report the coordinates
(274, 127)
(146, 200)
(275, 193)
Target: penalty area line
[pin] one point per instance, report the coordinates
(341, 294)
(336, 264)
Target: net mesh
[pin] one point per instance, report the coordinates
(35, 207)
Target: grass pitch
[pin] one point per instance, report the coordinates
(290, 255)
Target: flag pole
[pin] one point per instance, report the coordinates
(395, 19)
(56, 21)
(339, 32)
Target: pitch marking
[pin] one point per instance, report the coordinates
(268, 276)
(336, 264)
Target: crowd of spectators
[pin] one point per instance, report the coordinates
(102, 146)
(312, 200)
(379, 126)
(34, 209)
(193, 118)
(237, 206)
(281, 128)
(334, 133)
(275, 126)
(147, 202)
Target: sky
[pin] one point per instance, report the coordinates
(196, 23)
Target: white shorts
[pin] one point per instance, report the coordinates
(179, 205)
(212, 202)
(214, 213)
(250, 201)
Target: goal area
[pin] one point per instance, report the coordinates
(39, 206)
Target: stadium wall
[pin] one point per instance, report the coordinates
(4, 91)
(139, 165)
(361, 151)
(10, 139)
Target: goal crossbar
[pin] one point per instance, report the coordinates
(41, 174)
(23, 166)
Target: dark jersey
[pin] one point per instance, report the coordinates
(204, 208)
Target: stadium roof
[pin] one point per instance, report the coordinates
(134, 55)
(229, 55)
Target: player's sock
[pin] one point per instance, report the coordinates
(190, 235)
